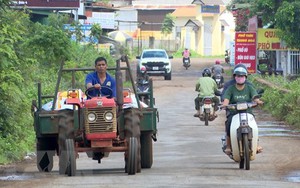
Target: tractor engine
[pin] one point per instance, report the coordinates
(100, 120)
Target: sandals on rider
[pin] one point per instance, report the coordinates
(259, 149)
(227, 151)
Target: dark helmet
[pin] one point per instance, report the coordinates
(206, 73)
(240, 70)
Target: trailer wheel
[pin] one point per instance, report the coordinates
(65, 131)
(132, 129)
(45, 150)
(146, 150)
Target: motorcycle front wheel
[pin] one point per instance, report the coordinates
(245, 159)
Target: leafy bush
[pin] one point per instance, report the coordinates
(283, 106)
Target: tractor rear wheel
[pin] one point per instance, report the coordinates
(65, 131)
(132, 129)
(146, 150)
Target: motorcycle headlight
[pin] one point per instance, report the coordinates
(242, 106)
(108, 116)
(91, 117)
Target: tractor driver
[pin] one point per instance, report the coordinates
(100, 78)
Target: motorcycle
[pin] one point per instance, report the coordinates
(207, 110)
(218, 77)
(143, 87)
(227, 58)
(243, 135)
(186, 62)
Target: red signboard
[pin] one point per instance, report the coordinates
(245, 50)
(46, 4)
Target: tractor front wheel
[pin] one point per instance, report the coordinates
(132, 133)
(71, 157)
(132, 162)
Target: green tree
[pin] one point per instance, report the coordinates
(168, 24)
(284, 15)
(51, 45)
(96, 32)
(14, 111)
(241, 12)
(4, 4)
(58, 20)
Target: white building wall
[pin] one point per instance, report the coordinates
(126, 20)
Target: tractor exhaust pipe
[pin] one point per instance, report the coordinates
(119, 83)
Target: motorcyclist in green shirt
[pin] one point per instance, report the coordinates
(207, 87)
(236, 93)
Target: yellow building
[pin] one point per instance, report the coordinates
(205, 28)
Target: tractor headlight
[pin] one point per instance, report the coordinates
(108, 116)
(91, 117)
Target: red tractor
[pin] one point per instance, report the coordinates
(97, 126)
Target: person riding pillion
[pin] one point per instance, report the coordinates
(206, 87)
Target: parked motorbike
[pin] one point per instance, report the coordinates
(207, 110)
(186, 62)
(243, 135)
(227, 58)
(218, 77)
(143, 87)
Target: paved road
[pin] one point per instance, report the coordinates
(187, 153)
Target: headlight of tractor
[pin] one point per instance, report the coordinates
(108, 116)
(91, 117)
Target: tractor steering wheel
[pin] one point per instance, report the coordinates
(110, 95)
